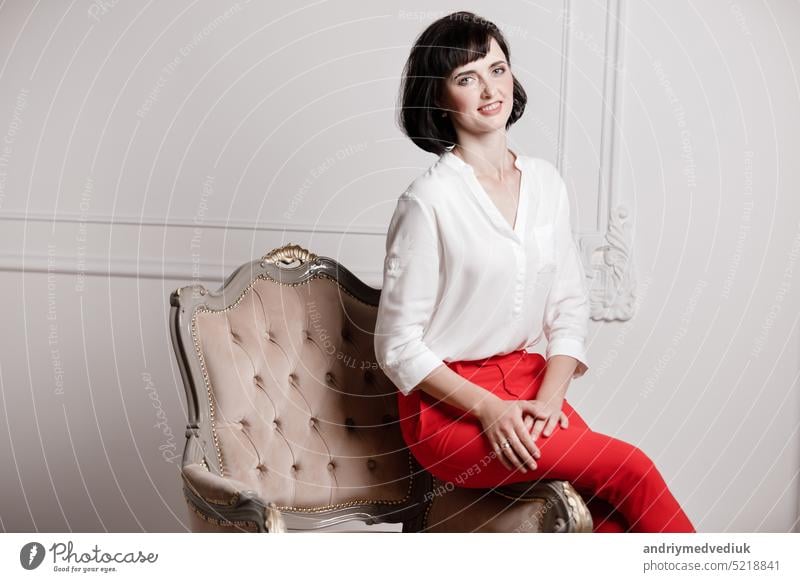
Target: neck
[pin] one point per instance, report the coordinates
(488, 154)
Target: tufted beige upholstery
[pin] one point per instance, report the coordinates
(293, 426)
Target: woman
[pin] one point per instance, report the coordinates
(480, 262)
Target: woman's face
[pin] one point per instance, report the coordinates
(479, 96)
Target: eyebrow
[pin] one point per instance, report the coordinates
(494, 64)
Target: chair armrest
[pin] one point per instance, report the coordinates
(229, 500)
(570, 510)
(536, 506)
(211, 487)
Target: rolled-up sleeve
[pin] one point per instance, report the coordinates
(567, 309)
(408, 296)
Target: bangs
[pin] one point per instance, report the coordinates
(460, 45)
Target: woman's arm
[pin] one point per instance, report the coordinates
(557, 378)
(566, 321)
(567, 307)
(452, 388)
(408, 297)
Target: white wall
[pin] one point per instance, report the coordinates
(146, 147)
(705, 377)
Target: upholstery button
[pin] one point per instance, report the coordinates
(276, 423)
(312, 421)
(345, 334)
(294, 467)
(235, 336)
(331, 466)
(387, 419)
(328, 377)
(257, 379)
(368, 377)
(261, 468)
(371, 463)
(350, 423)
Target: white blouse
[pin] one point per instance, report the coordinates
(459, 283)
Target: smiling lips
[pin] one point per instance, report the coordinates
(490, 108)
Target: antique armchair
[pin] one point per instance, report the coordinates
(292, 426)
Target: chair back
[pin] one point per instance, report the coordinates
(284, 393)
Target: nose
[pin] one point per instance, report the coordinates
(488, 89)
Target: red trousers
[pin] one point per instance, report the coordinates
(623, 489)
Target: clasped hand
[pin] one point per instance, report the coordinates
(520, 422)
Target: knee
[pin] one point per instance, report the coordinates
(639, 465)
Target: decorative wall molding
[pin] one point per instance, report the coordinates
(167, 269)
(607, 251)
(179, 222)
(612, 296)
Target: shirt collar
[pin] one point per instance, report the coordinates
(452, 160)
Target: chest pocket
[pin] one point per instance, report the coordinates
(546, 247)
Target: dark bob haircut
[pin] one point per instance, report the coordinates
(448, 43)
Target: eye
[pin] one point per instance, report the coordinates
(501, 69)
(462, 81)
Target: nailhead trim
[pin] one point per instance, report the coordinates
(220, 522)
(425, 517)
